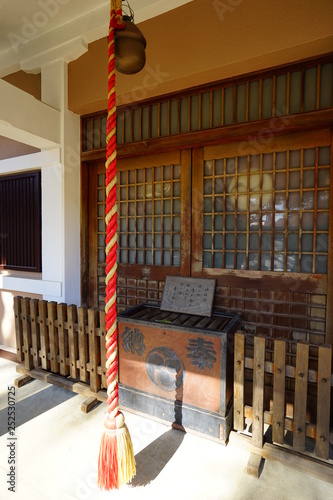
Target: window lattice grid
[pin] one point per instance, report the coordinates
(276, 95)
(283, 91)
(268, 212)
(149, 216)
(94, 132)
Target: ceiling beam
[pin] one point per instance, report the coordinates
(30, 48)
(25, 119)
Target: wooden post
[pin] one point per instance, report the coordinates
(72, 342)
(94, 353)
(52, 314)
(329, 309)
(44, 335)
(25, 304)
(301, 386)
(35, 332)
(103, 350)
(186, 212)
(63, 338)
(22, 380)
(279, 390)
(197, 211)
(18, 328)
(258, 391)
(239, 381)
(89, 404)
(83, 343)
(324, 402)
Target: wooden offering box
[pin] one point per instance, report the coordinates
(178, 365)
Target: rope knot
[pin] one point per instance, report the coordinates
(116, 18)
(115, 423)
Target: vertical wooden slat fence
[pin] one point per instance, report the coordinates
(301, 384)
(258, 390)
(72, 342)
(43, 329)
(50, 321)
(93, 349)
(279, 390)
(239, 382)
(63, 345)
(260, 380)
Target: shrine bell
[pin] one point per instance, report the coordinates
(130, 45)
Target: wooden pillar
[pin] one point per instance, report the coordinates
(329, 305)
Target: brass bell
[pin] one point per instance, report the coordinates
(129, 45)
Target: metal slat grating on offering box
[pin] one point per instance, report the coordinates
(176, 360)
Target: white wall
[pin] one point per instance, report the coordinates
(7, 320)
(59, 163)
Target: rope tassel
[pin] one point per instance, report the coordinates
(116, 462)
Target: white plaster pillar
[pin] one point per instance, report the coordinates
(55, 94)
(52, 228)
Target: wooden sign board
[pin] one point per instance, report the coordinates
(188, 295)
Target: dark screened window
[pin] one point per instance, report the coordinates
(20, 221)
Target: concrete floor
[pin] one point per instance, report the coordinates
(57, 448)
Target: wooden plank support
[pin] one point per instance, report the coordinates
(254, 465)
(53, 336)
(44, 335)
(311, 430)
(323, 402)
(103, 349)
(83, 343)
(258, 391)
(25, 304)
(290, 370)
(22, 380)
(89, 404)
(301, 386)
(291, 459)
(239, 381)
(279, 390)
(60, 381)
(94, 353)
(35, 335)
(18, 328)
(72, 342)
(63, 338)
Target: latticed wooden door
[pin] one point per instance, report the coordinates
(262, 229)
(154, 230)
(254, 215)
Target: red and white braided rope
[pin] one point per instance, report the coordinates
(111, 343)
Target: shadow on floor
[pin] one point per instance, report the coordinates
(35, 405)
(152, 459)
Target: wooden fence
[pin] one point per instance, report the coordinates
(63, 345)
(278, 385)
(286, 389)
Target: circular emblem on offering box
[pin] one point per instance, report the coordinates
(165, 369)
